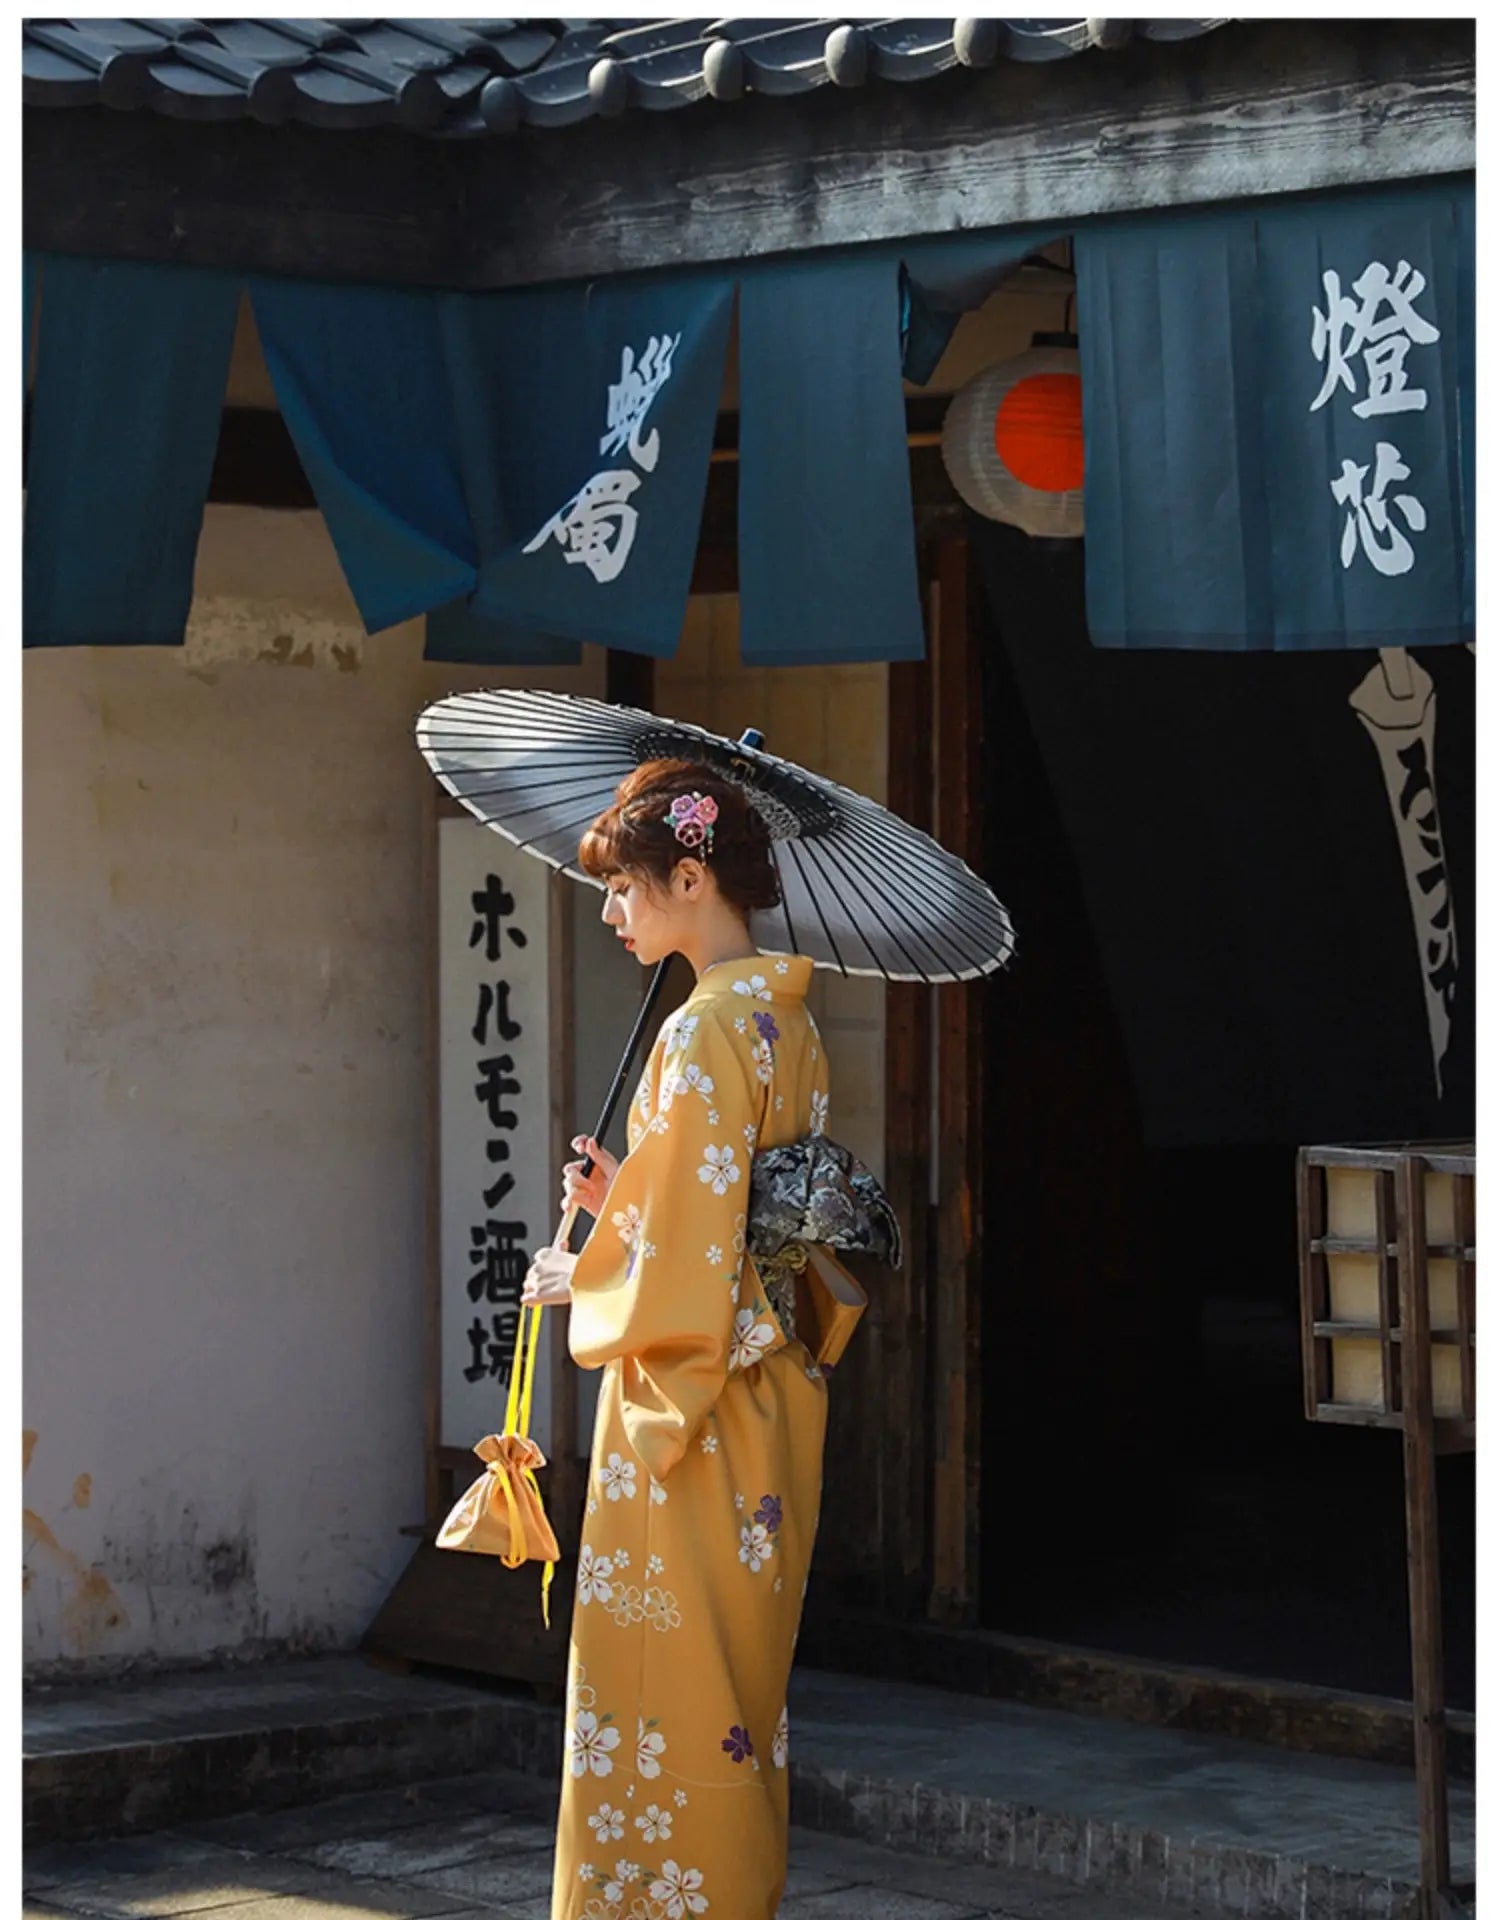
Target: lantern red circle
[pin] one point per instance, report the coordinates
(1039, 432)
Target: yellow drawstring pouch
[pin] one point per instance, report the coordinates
(502, 1512)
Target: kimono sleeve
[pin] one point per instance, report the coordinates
(656, 1284)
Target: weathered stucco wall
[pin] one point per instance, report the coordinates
(225, 1113)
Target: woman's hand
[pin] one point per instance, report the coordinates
(588, 1195)
(549, 1282)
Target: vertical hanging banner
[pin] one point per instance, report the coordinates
(496, 1173)
(1278, 422)
(385, 470)
(131, 366)
(827, 535)
(1369, 364)
(1397, 705)
(533, 474)
(585, 440)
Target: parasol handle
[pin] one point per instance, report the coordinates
(617, 1086)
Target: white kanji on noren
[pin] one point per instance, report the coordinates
(1368, 521)
(1381, 327)
(597, 527)
(1377, 323)
(630, 400)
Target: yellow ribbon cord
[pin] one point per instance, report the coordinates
(518, 1422)
(516, 1554)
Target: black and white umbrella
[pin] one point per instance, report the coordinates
(862, 892)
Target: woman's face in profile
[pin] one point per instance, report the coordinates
(649, 920)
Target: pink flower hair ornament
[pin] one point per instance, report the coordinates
(691, 817)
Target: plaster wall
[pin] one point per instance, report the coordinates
(225, 1113)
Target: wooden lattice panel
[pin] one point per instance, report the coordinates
(1352, 1325)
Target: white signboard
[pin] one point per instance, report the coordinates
(498, 1186)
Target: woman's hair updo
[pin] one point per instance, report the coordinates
(634, 835)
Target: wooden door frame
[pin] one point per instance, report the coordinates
(929, 1406)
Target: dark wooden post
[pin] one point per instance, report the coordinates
(900, 1406)
(955, 1303)
(1422, 1566)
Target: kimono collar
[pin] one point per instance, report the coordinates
(775, 976)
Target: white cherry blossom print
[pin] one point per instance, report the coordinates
(608, 1824)
(680, 1031)
(751, 1339)
(679, 1798)
(617, 1478)
(622, 1556)
(783, 966)
(719, 1169)
(649, 1748)
(754, 988)
(781, 1739)
(658, 1494)
(765, 1062)
(716, 1256)
(678, 1890)
(628, 1224)
(756, 1546)
(655, 1566)
(594, 1571)
(590, 1744)
(709, 1443)
(627, 1872)
(655, 1825)
(819, 1121)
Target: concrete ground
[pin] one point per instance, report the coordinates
(481, 1846)
(1012, 1809)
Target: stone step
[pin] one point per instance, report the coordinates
(1185, 1818)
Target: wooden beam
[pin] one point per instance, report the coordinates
(1257, 107)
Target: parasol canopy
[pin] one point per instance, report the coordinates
(862, 891)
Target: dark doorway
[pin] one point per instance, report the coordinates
(1195, 995)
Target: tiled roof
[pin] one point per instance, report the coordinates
(469, 77)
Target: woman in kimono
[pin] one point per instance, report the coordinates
(706, 1470)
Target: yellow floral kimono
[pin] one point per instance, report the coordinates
(704, 1480)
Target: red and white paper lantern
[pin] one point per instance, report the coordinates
(1013, 443)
